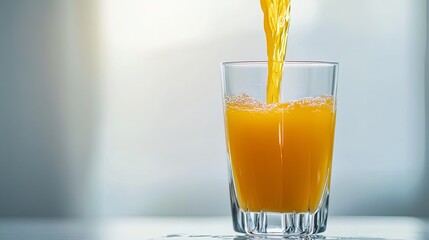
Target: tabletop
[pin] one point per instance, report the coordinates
(198, 228)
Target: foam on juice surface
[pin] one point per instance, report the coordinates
(244, 102)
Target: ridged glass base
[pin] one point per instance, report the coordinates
(292, 224)
(280, 224)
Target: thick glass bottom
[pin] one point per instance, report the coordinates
(281, 224)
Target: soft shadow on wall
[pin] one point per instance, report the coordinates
(425, 197)
(48, 103)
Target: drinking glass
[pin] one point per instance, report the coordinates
(280, 154)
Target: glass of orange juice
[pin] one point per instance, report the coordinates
(280, 154)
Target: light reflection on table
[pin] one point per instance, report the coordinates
(200, 229)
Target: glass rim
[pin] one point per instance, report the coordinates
(290, 63)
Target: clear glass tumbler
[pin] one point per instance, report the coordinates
(280, 154)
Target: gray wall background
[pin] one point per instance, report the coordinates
(47, 107)
(84, 132)
(426, 212)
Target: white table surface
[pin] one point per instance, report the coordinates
(198, 228)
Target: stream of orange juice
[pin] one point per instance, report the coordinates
(280, 153)
(276, 25)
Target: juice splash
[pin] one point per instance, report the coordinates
(280, 153)
(276, 25)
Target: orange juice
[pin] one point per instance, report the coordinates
(280, 153)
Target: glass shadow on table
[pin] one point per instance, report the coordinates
(247, 237)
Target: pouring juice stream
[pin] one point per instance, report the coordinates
(276, 25)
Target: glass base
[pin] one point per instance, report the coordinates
(281, 224)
